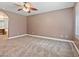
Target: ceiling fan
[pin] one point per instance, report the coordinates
(26, 6)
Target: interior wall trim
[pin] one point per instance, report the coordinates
(17, 36)
(76, 47)
(64, 40)
(57, 39)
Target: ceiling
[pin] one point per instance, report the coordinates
(41, 6)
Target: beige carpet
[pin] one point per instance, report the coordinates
(36, 47)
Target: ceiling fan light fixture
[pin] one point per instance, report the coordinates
(26, 9)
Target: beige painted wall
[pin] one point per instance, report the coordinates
(59, 24)
(17, 24)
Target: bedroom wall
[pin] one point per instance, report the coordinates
(58, 24)
(17, 24)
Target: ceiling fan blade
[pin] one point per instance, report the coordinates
(19, 9)
(33, 9)
(17, 5)
(20, 5)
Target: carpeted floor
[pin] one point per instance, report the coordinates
(36, 47)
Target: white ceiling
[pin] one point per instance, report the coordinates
(41, 6)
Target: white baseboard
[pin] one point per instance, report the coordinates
(57, 39)
(17, 36)
(76, 47)
(64, 40)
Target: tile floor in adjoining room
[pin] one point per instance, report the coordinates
(28, 46)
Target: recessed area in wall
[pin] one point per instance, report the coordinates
(3, 25)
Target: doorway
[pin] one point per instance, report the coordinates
(3, 26)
